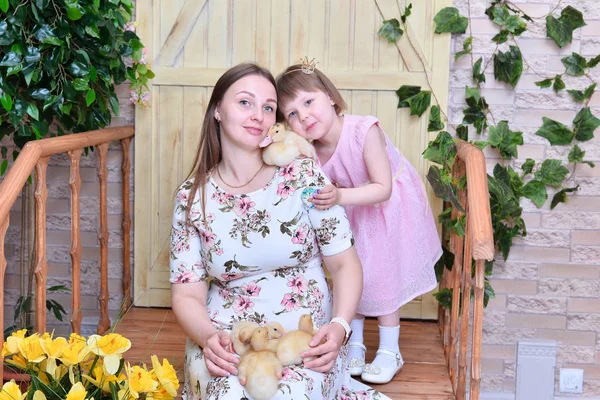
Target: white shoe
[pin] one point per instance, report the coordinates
(357, 364)
(375, 374)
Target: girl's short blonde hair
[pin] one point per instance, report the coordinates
(293, 80)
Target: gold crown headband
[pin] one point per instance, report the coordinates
(306, 66)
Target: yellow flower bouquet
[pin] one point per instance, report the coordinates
(79, 369)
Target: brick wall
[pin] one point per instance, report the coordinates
(59, 236)
(549, 288)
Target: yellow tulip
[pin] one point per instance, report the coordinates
(138, 381)
(160, 394)
(111, 347)
(53, 349)
(11, 346)
(75, 352)
(77, 392)
(11, 391)
(39, 395)
(103, 381)
(166, 375)
(76, 338)
(31, 349)
(17, 361)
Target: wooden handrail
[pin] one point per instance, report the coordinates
(477, 244)
(17, 175)
(480, 215)
(35, 155)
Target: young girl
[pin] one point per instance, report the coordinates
(394, 229)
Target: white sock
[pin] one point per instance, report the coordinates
(357, 326)
(388, 340)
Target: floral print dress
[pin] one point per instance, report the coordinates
(261, 253)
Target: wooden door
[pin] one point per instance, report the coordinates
(192, 42)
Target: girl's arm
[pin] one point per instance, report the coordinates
(188, 301)
(380, 175)
(346, 271)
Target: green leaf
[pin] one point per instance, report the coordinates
(576, 154)
(508, 66)
(561, 29)
(46, 35)
(480, 144)
(90, 97)
(32, 54)
(505, 140)
(42, 94)
(449, 20)
(585, 123)
(443, 190)
(419, 103)
(527, 166)
(4, 8)
(441, 149)
(93, 31)
(589, 91)
(466, 48)
(535, 191)
(114, 104)
(462, 132)
(3, 167)
(577, 95)
(478, 75)
(6, 35)
(475, 112)
(593, 62)
(407, 12)
(575, 64)
(391, 30)
(546, 83)
(555, 132)
(559, 84)
(435, 120)
(78, 69)
(444, 297)
(501, 37)
(81, 84)
(6, 101)
(552, 172)
(561, 196)
(33, 111)
(11, 59)
(405, 92)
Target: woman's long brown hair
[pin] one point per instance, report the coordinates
(209, 149)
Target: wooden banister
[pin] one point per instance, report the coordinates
(35, 155)
(477, 244)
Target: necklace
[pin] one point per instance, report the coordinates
(240, 186)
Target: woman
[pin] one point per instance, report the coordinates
(245, 246)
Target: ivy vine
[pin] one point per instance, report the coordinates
(507, 185)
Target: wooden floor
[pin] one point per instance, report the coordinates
(424, 375)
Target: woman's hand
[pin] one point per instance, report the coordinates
(217, 355)
(326, 346)
(328, 196)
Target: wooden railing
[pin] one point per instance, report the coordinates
(35, 155)
(478, 245)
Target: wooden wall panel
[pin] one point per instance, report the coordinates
(192, 42)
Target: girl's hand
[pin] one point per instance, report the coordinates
(327, 342)
(217, 356)
(327, 197)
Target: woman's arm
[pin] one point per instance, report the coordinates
(346, 271)
(378, 167)
(188, 301)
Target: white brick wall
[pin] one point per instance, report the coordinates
(549, 288)
(59, 236)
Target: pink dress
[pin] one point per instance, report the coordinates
(397, 241)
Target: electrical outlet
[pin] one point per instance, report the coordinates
(571, 380)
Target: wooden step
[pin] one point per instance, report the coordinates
(424, 375)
